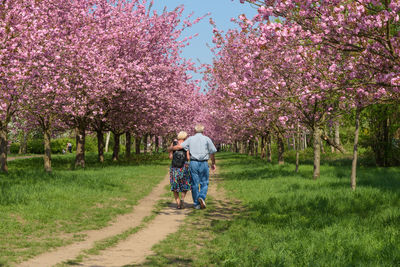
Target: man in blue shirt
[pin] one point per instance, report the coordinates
(201, 148)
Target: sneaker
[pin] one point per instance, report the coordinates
(202, 203)
(197, 207)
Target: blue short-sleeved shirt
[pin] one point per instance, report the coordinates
(199, 146)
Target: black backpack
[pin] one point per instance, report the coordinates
(179, 157)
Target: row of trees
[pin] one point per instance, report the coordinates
(300, 66)
(93, 65)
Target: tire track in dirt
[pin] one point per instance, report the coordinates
(138, 246)
(122, 223)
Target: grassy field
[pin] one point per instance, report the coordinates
(39, 211)
(288, 219)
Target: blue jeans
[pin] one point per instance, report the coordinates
(200, 173)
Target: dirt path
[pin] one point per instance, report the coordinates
(121, 224)
(23, 157)
(136, 247)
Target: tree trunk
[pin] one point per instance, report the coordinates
(337, 133)
(294, 142)
(305, 140)
(145, 137)
(281, 150)
(355, 151)
(297, 146)
(263, 147)
(115, 156)
(128, 145)
(332, 143)
(317, 152)
(332, 135)
(157, 144)
(137, 145)
(3, 149)
(164, 143)
(256, 147)
(100, 145)
(80, 146)
(107, 141)
(269, 148)
(47, 150)
(322, 147)
(251, 148)
(23, 144)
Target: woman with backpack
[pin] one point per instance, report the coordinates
(179, 172)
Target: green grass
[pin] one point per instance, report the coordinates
(288, 219)
(40, 211)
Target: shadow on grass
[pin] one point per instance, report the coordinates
(292, 221)
(72, 263)
(316, 211)
(28, 174)
(337, 171)
(167, 261)
(223, 211)
(323, 203)
(67, 162)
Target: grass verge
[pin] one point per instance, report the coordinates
(40, 211)
(288, 219)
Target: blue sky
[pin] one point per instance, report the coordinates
(221, 12)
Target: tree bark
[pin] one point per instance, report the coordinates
(157, 144)
(269, 148)
(23, 144)
(145, 137)
(47, 150)
(128, 137)
(317, 152)
(263, 147)
(100, 145)
(332, 143)
(3, 148)
(305, 140)
(281, 150)
(137, 145)
(332, 135)
(251, 148)
(294, 142)
(297, 146)
(164, 143)
(355, 151)
(256, 147)
(337, 133)
(115, 156)
(322, 147)
(107, 141)
(80, 146)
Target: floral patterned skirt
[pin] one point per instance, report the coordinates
(180, 178)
